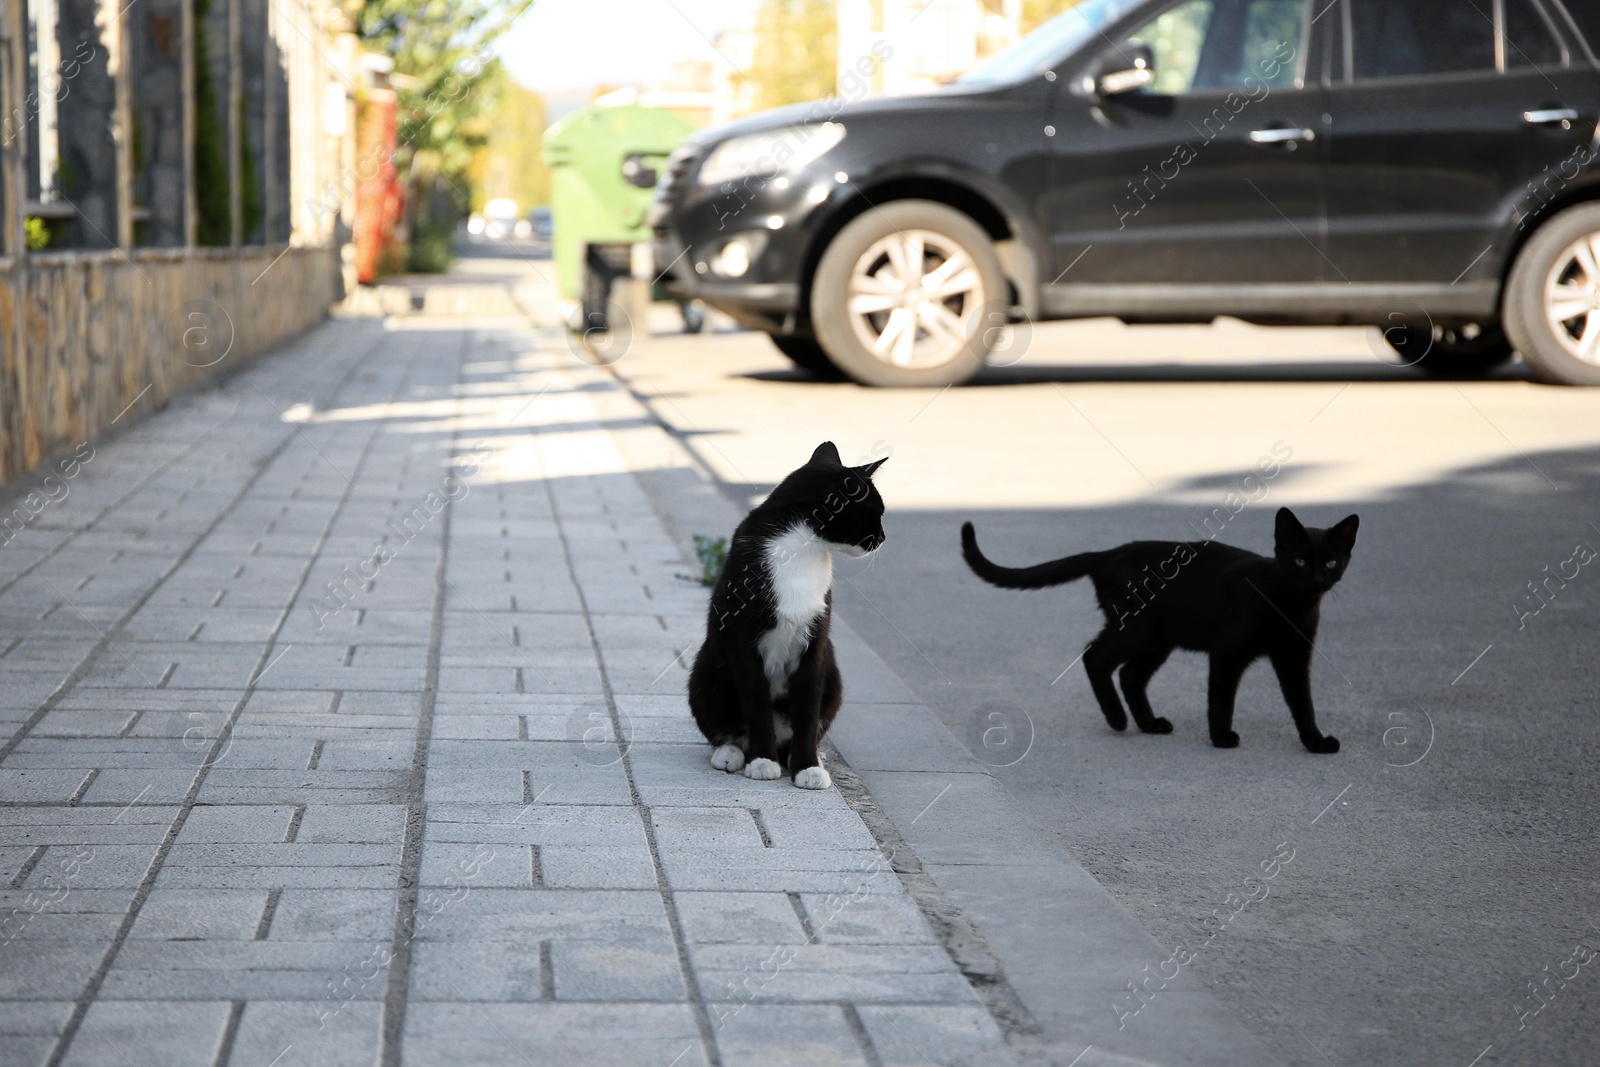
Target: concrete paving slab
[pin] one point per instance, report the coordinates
(183, 1033)
(435, 802)
(560, 1035)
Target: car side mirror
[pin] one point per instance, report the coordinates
(1125, 70)
(636, 171)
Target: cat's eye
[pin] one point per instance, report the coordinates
(1299, 563)
(1331, 564)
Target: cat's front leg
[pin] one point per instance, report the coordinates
(1226, 671)
(1293, 666)
(729, 756)
(761, 736)
(805, 709)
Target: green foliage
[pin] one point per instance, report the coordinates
(437, 204)
(512, 165)
(38, 233)
(252, 212)
(448, 78)
(215, 223)
(430, 248)
(797, 52)
(713, 555)
(448, 90)
(66, 179)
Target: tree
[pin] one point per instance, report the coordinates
(512, 163)
(447, 86)
(1037, 12)
(796, 53)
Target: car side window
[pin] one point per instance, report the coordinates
(1587, 16)
(1174, 38)
(1207, 45)
(1531, 40)
(1410, 38)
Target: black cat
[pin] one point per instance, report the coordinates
(765, 687)
(1205, 597)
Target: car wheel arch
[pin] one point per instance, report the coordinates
(1017, 242)
(1521, 232)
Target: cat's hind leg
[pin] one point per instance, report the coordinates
(1100, 660)
(1135, 677)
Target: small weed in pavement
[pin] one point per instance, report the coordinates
(713, 555)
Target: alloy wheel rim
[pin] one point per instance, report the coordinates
(1572, 298)
(911, 297)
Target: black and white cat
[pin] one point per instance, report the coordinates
(765, 688)
(1233, 604)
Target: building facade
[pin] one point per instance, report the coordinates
(160, 163)
(928, 41)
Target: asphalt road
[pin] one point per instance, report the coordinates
(1445, 860)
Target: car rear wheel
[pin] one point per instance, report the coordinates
(806, 354)
(1449, 351)
(905, 294)
(1552, 299)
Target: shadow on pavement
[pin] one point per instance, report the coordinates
(1470, 743)
(1065, 373)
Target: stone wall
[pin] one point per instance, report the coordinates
(89, 339)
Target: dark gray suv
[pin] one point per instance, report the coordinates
(1425, 166)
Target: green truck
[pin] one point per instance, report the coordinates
(604, 162)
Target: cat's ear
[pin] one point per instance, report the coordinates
(827, 453)
(1345, 532)
(868, 470)
(1289, 529)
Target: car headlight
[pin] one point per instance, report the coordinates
(766, 155)
(736, 256)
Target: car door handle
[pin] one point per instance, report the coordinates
(1282, 136)
(1550, 116)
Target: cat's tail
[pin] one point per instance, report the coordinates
(1039, 576)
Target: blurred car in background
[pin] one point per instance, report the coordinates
(542, 223)
(1424, 166)
(500, 218)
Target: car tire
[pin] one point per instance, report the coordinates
(1549, 279)
(1444, 353)
(806, 354)
(876, 335)
(694, 316)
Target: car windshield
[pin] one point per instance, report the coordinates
(1056, 39)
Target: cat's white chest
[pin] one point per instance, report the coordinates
(800, 568)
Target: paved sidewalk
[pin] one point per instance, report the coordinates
(344, 725)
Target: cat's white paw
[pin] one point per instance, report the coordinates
(727, 758)
(812, 778)
(763, 770)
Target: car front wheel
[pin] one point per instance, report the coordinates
(1552, 299)
(909, 294)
